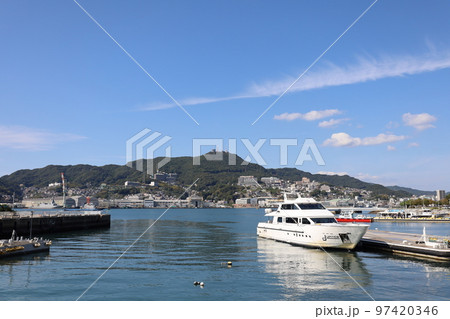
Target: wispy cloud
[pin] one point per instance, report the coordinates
(332, 173)
(420, 121)
(413, 144)
(364, 69)
(310, 116)
(25, 138)
(332, 122)
(345, 140)
(187, 102)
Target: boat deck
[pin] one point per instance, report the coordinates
(23, 246)
(408, 244)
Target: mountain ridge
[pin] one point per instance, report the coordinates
(412, 191)
(210, 173)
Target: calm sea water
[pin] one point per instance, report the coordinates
(188, 245)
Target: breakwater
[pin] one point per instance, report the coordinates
(45, 223)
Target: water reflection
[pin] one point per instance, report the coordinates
(26, 263)
(432, 269)
(304, 270)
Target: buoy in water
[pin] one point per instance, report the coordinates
(202, 284)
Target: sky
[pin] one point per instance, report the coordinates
(365, 81)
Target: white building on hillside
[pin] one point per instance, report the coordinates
(440, 194)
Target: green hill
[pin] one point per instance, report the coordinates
(76, 175)
(219, 172)
(214, 176)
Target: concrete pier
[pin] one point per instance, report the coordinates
(433, 247)
(412, 220)
(51, 222)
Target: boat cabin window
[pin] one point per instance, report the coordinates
(305, 221)
(311, 206)
(289, 206)
(280, 219)
(290, 220)
(323, 220)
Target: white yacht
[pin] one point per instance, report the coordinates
(305, 222)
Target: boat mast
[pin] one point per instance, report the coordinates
(31, 225)
(64, 190)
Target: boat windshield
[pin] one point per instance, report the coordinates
(323, 220)
(289, 206)
(311, 206)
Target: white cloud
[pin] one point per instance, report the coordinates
(413, 144)
(363, 70)
(332, 173)
(25, 138)
(332, 122)
(391, 148)
(310, 116)
(420, 121)
(345, 140)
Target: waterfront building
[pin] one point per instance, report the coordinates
(70, 202)
(149, 203)
(246, 202)
(129, 203)
(195, 201)
(440, 194)
(37, 202)
(166, 203)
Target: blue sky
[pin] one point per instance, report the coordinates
(376, 104)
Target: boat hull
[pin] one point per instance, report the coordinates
(327, 236)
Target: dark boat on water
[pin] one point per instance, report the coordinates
(22, 246)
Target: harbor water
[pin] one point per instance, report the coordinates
(187, 245)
